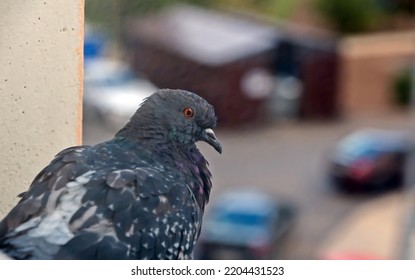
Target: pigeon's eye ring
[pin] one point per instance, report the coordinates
(188, 113)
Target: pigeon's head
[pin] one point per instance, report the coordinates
(177, 116)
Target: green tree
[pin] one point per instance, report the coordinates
(350, 16)
(402, 87)
(102, 10)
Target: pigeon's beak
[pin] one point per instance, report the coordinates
(210, 138)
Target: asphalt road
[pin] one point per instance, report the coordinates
(289, 160)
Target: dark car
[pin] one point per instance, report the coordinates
(244, 224)
(370, 160)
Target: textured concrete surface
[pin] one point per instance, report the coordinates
(41, 46)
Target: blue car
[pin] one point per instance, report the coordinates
(244, 224)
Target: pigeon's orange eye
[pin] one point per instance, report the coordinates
(188, 112)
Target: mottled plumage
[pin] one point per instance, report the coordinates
(140, 195)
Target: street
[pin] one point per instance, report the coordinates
(289, 160)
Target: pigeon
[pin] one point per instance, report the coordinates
(140, 195)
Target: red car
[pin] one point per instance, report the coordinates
(370, 160)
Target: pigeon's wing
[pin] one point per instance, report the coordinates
(80, 208)
(68, 169)
(140, 213)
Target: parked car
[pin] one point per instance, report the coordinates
(244, 224)
(370, 160)
(112, 91)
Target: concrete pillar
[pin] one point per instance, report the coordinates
(41, 70)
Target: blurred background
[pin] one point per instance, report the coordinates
(314, 105)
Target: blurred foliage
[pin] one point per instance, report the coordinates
(109, 16)
(403, 87)
(355, 16)
(105, 12)
(350, 16)
(347, 16)
(404, 6)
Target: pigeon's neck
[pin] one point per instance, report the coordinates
(196, 168)
(186, 158)
(142, 133)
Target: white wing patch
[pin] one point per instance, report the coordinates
(54, 226)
